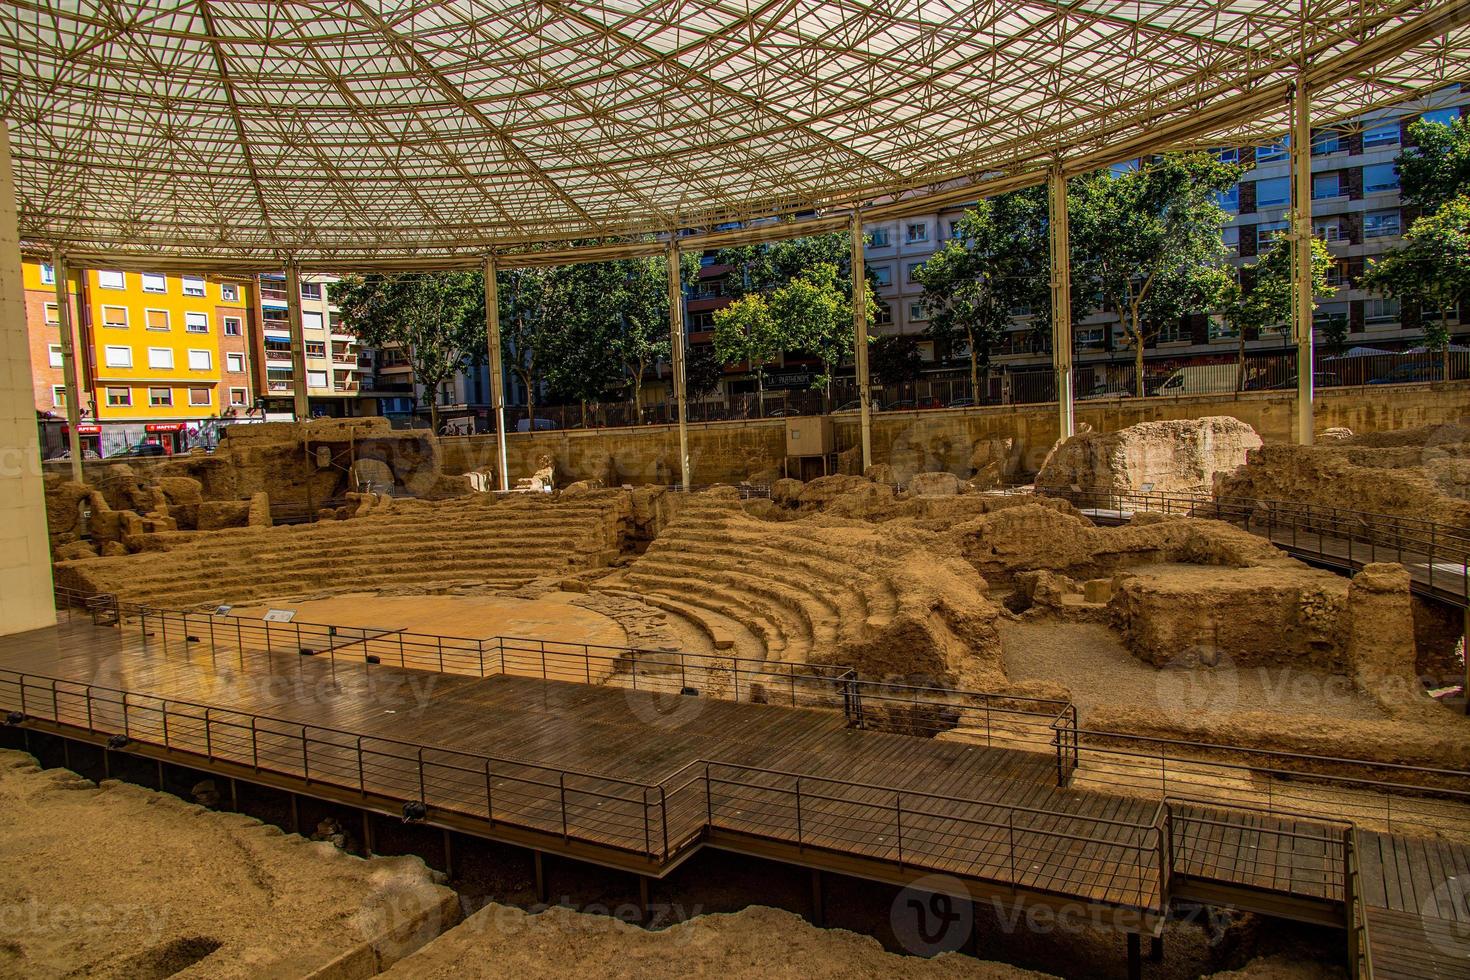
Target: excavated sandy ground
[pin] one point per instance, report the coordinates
(757, 943)
(1099, 670)
(548, 617)
(120, 881)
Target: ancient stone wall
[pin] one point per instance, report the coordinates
(1177, 456)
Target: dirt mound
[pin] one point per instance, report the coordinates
(120, 881)
(756, 943)
(1179, 455)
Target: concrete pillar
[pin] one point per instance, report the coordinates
(1301, 262)
(495, 367)
(860, 336)
(676, 346)
(1061, 299)
(300, 407)
(68, 362)
(26, 601)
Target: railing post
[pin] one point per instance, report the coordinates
(254, 743)
(208, 741)
(1011, 842)
(663, 812)
(88, 693)
(305, 757)
(563, 784)
(423, 796)
(898, 824)
(440, 641)
(489, 800)
(647, 837)
(798, 813)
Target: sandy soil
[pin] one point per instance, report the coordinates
(500, 941)
(756, 943)
(551, 616)
(116, 880)
(1094, 664)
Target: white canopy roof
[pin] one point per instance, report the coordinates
(252, 130)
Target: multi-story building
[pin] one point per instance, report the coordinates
(1356, 209)
(333, 368)
(159, 357)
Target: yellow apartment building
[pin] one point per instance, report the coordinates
(161, 358)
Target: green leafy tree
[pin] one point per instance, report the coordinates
(893, 359)
(1266, 304)
(535, 306)
(1431, 269)
(437, 319)
(995, 263)
(746, 331)
(1436, 169)
(1149, 240)
(703, 371)
(638, 302)
(763, 267)
(814, 310)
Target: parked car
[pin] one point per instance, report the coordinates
(542, 425)
(1106, 391)
(962, 403)
(144, 449)
(1407, 374)
(1200, 379)
(66, 454)
(1320, 379)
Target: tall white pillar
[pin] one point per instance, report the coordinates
(60, 273)
(301, 405)
(1301, 258)
(676, 347)
(495, 367)
(1061, 299)
(860, 335)
(26, 601)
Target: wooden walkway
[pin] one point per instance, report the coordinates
(1416, 897)
(640, 779)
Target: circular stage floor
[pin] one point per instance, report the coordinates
(549, 617)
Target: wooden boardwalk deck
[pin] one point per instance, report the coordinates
(1416, 896)
(646, 776)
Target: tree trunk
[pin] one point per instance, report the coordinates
(1444, 324)
(1240, 361)
(434, 410)
(1138, 364)
(760, 394)
(975, 373)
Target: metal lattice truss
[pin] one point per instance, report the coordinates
(343, 130)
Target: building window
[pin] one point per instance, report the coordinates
(237, 397)
(913, 271)
(119, 397)
(1379, 310)
(199, 360)
(1226, 154)
(954, 229)
(196, 322)
(48, 274)
(1380, 177)
(1329, 230)
(154, 283)
(1091, 338)
(160, 358)
(160, 397)
(1273, 192)
(1326, 141)
(1268, 232)
(156, 319)
(53, 355)
(53, 315)
(112, 280)
(1381, 224)
(1231, 238)
(316, 379)
(916, 311)
(1326, 185)
(232, 326)
(311, 290)
(1221, 328)
(1384, 134)
(1444, 117)
(229, 292)
(1326, 319)
(883, 275)
(199, 397)
(194, 286)
(1276, 151)
(115, 316)
(918, 232)
(58, 396)
(1229, 199)
(235, 363)
(311, 321)
(878, 237)
(118, 357)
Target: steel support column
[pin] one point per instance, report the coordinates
(676, 348)
(1301, 257)
(68, 362)
(300, 405)
(1061, 298)
(860, 336)
(495, 367)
